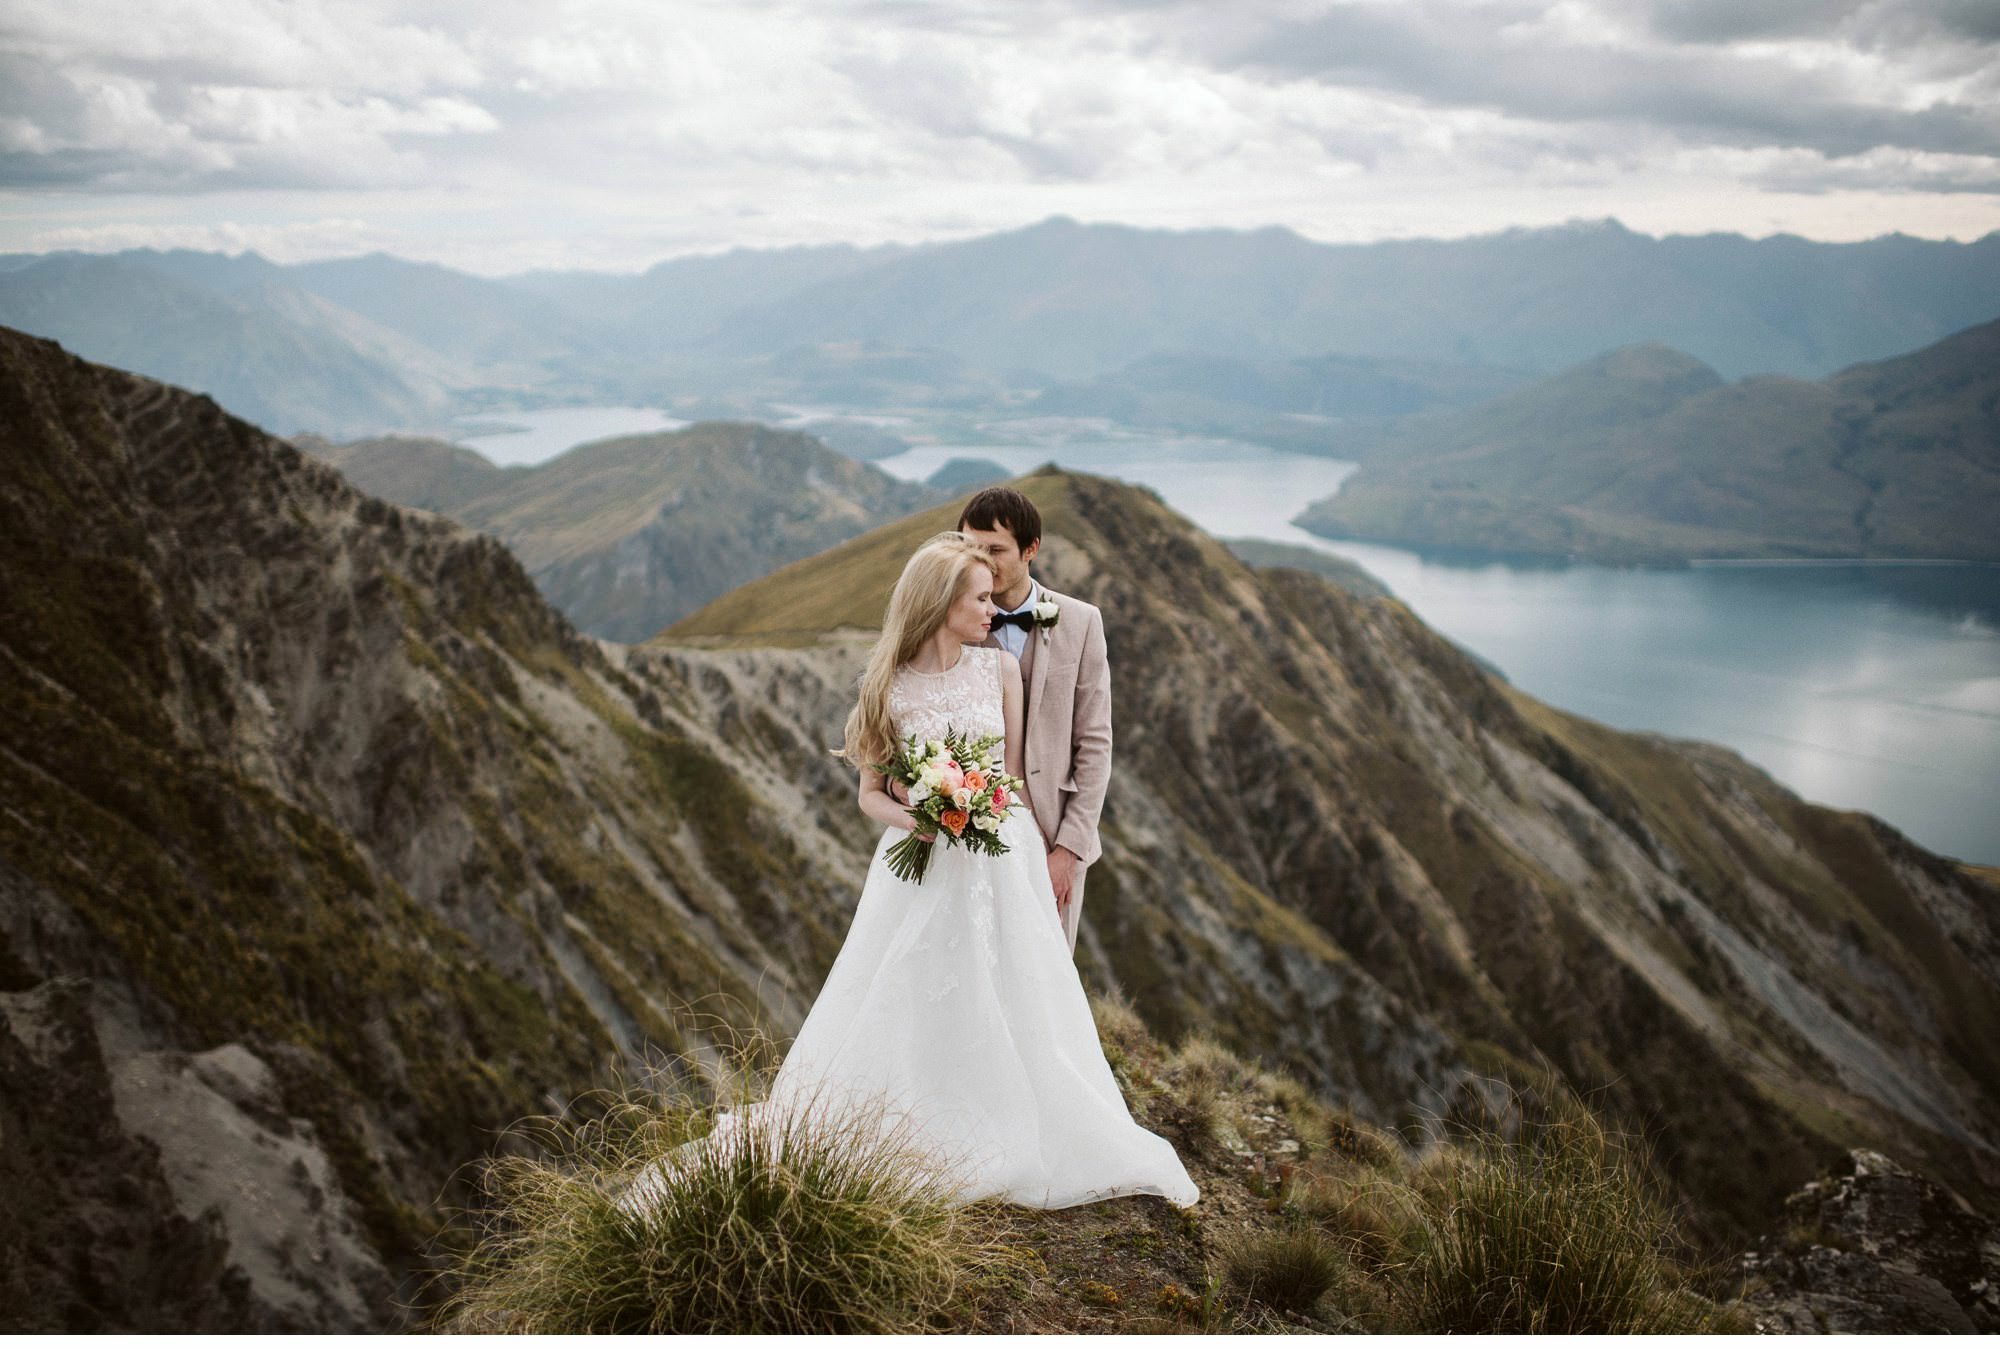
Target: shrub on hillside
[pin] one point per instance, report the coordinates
(1290, 1268)
(1559, 1230)
(813, 1222)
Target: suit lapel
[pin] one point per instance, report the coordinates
(1039, 639)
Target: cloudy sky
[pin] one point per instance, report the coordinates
(497, 136)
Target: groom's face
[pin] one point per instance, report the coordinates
(1010, 563)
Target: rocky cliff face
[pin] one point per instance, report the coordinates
(359, 850)
(328, 848)
(1873, 1249)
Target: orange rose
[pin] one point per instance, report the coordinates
(955, 820)
(975, 780)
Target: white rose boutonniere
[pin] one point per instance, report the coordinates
(1046, 614)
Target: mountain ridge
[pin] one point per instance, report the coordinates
(626, 533)
(1647, 455)
(1061, 302)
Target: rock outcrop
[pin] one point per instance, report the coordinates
(1874, 1249)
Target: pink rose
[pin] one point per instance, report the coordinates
(999, 798)
(954, 778)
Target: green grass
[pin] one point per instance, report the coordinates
(1290, 1269)
(1559, 1231)
(814, 1221)
(848, 586)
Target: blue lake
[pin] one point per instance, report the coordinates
(544, 433)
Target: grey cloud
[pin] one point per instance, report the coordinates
(1710, 97)
(1977, 19)
(1830, 180)
(1725, 21)
(1869, 24)
(87, 128)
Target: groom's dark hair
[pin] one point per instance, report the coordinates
(1003, 508)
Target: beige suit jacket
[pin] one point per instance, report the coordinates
(1067, 684)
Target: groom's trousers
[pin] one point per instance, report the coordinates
(1073, 910)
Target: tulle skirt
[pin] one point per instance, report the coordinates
(954, 1013)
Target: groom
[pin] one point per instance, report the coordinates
(1067, 680)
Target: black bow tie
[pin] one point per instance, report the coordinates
(1024, 619)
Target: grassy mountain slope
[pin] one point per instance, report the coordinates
(1645, 455)
(1762, 980)
(625, 535)
(420, 471)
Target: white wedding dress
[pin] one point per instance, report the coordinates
(956, 1003)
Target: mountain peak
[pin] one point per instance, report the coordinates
(1090, 525)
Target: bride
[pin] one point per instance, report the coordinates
(955, 1001)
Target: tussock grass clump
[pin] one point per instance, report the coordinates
(1208, 1083)
(811, 1221)
(1369, 1214)
(1203, 1056)
(1290, 1268)
(1322, 1128)
(1120, 1030)
(1558, 1231)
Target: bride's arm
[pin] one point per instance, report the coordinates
(877, 804)
(1011, 702)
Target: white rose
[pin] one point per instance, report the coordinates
(1045, 612)
(962, 797)
(919, 793)
(987, 822)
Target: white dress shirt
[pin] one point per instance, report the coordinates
(1014, 639)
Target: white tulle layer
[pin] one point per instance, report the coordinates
(956, 1005)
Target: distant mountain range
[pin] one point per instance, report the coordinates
(1648, 455)
(1309, 404)
(628, 534)
(1072, 301)
(376, 343)
(239, 330)
(331, 848)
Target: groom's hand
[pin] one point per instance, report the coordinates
(1062, 874)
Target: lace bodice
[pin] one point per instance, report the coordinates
(965, 698)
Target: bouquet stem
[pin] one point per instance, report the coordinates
(910, 857)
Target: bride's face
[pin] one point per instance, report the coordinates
(970, 617)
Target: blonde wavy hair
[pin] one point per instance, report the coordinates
(932, 580)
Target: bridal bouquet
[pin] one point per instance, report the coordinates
(958, 790)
